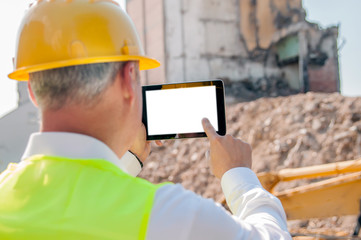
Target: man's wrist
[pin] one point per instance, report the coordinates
(238, 177)
(131, 164)
(140, 162)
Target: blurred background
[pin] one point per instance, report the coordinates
(292, 80)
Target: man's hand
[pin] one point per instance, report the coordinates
(141, 147)
(226, 152)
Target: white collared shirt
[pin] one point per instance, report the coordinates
(178, 213)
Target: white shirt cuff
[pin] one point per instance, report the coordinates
(236, 177)
(130, 164)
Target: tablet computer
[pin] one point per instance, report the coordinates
(176, 110)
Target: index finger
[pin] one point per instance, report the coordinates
(159, 143)
(209, 129)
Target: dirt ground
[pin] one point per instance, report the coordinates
(285, 132)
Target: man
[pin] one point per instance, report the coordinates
(77, 178)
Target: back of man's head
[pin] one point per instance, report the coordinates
(74, 85)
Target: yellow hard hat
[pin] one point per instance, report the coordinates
(60, 33)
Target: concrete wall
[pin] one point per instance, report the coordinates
(323, 71)
(148, 17)
(202, 42)
(260, 20)
(16, 128)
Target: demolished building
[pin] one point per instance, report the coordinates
(259, 48)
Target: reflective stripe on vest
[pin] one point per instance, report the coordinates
(47, 197)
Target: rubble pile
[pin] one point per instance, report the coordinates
(285, 132)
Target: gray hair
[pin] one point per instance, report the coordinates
(81, 84)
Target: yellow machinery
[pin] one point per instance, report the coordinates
(336, 191)
(338, 195)
(335, 196)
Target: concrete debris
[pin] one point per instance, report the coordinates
(285, 132)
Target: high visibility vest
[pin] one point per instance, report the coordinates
(47, 197)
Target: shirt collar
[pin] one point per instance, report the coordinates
(69, 145)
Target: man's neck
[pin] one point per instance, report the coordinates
(92, 122)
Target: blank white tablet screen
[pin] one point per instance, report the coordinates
(181, 110)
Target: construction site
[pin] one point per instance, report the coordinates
(282, 86)
(287, 134)
(282, 83)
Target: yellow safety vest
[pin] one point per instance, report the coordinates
(47, 197)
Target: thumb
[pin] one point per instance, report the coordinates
(209, 129)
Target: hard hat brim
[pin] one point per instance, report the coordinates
(22, 73)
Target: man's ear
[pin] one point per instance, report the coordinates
(31, 94)
(128, 81)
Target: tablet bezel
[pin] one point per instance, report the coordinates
(220, 107)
